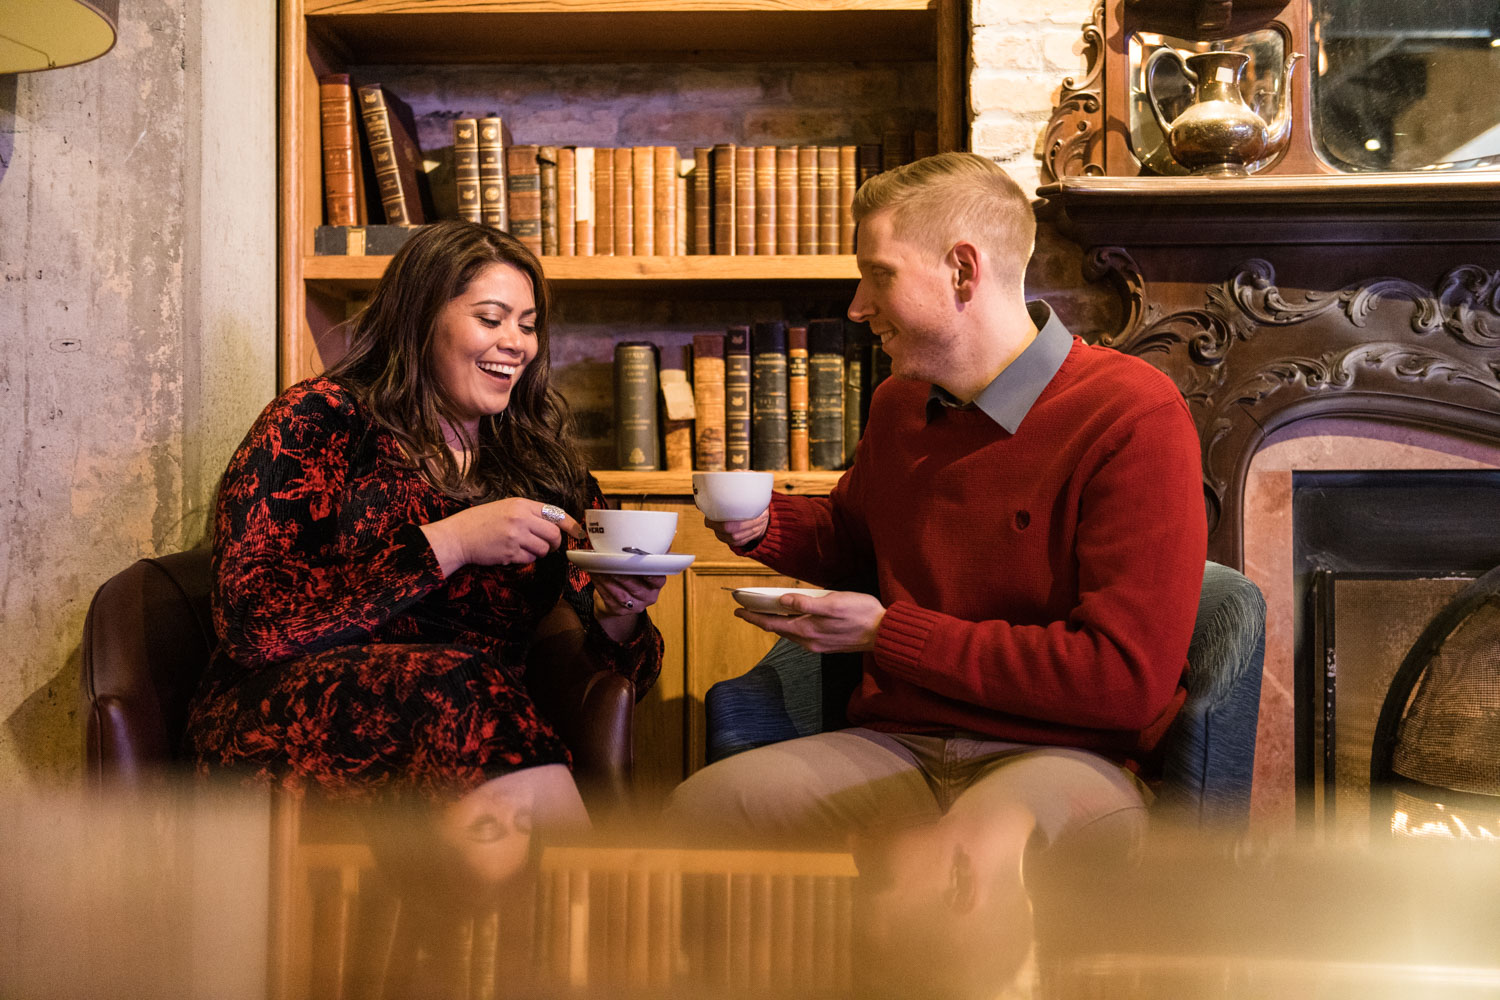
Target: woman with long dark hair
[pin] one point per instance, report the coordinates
(387, 539)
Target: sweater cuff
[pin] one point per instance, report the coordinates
(902, 637)
(784, 520)
(413, 554)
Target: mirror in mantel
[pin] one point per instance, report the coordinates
(1406, 85)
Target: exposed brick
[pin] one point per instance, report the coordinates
(1062, 51)
(995, 48)
(1017, 93)
(1005, 136)
(985, 12)
(839, 84)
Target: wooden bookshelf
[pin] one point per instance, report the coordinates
(603, 298)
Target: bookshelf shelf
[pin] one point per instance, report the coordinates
(680, 484)
(363, 272)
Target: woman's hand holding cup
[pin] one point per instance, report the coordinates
(513, 531)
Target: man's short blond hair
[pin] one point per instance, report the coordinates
(940, 200)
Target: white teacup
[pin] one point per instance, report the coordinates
(732, 496)
(650, 531)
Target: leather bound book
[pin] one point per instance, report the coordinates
(523, 188)
(604, 202)
(744, 200)
(466, 168)
(343, 168)
(567, 177)
(895, 149)
(643, 199)
(494, 202)
(737, 398)
(708, 400)
(682, 217)
(807, 199)
(724, 189)
(923, 143)
(769, 418)
(786, 199)
(848, 171)
(867, 162)
(624, 202)
(765, 199)
(637, 445)
(392, 134)
(583, 201)
(796, 397)
(828, 199)
(856, 401)
(703, 200)
(677, 409)
(664, 200)
(825, 390)
(546, 158)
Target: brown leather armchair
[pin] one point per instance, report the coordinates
(148, 637)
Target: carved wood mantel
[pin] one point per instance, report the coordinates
(1271, 300)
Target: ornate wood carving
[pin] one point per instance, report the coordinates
(1071, 145)
(1253, 358)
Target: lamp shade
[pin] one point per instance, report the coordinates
(46, 34)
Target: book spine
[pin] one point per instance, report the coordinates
(807, 199)
(867, 163)
(681, 218)
(895, 149)
(848, 171)
(855, 402)
(708, 400)
(765, 199)
(744, 200)
(342, 173)
(796, 398)
(825, 390)
(523, 183)
(828, 199)
(664, 202)
(466, 168)
(493, 203)
(637, 447)
(546, 158)
(624, 203)
(677, 409)
(786, 199)
(567, 200)
(643, 199)
(583, 200)
(703, 201)
(737, 398)
(723, 199)
(769, 416)
(388, 179)
(604, 202)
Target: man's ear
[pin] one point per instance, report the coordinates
(965, 263)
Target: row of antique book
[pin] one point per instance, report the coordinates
(771, 395)
(584, 200)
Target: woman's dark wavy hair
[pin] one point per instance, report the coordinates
(528, 449)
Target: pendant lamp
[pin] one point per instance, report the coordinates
(47, 34)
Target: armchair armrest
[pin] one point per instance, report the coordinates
(592, 709)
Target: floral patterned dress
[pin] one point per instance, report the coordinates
(345, 660)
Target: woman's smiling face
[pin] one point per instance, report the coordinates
(483, 340)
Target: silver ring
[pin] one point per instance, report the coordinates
(629, 605)
(552, 512)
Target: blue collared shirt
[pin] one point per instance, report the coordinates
(1010, 396)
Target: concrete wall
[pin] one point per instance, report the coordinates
(137, 243)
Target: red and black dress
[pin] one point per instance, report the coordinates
(345, 660)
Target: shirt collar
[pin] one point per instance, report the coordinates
(1010, 396)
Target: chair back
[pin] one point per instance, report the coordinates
(1208, 754)
(146, 642)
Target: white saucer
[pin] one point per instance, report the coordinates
(625, 564)
(766, 599)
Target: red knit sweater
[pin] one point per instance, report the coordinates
(1039, 587)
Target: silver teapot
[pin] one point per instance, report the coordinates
(1219, 134)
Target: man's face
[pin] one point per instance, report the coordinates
(907, 295)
